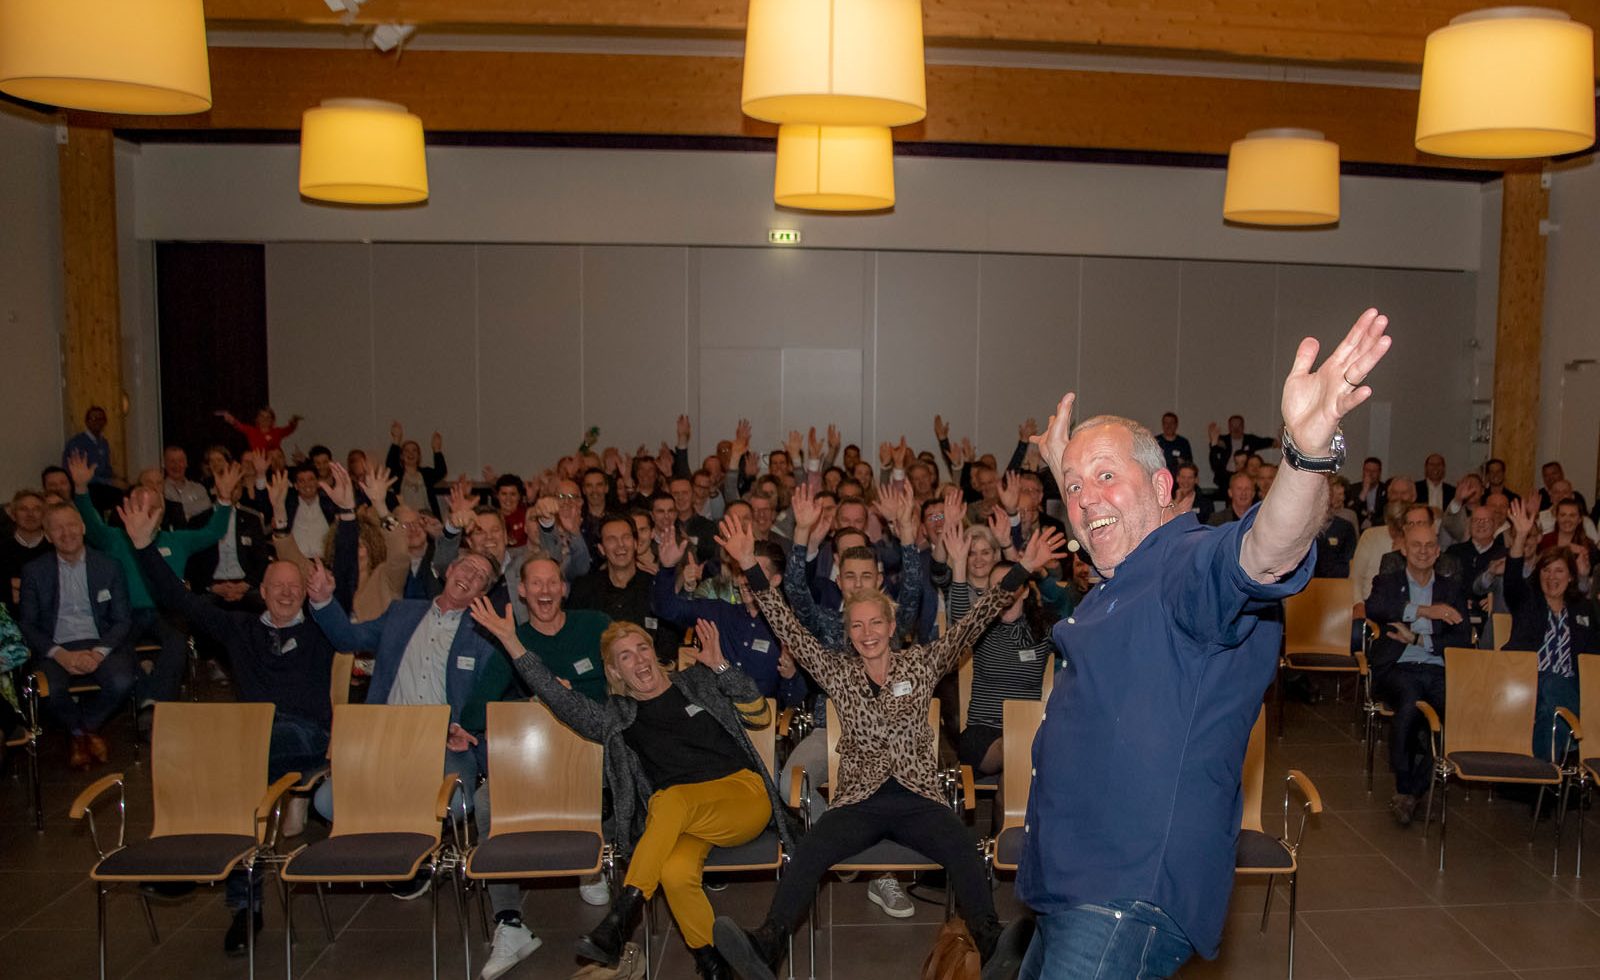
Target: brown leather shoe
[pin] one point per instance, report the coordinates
(80, 758)
(97, 748)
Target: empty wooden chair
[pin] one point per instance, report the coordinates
(1316, 633)
(1022, 719)
(390, 797)
(1490, 696)
(1260, 853)
(214, 812)
(1501, 624)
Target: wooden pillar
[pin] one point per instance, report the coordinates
(92, 342)
(1519, 326)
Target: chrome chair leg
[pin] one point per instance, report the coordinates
(322, 904)
(250, 918)
(1293, 888)
(150, 919)
(100, 919)
(1266, 906)
(288, 930)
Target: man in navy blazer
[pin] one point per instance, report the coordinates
(76, 619)
(424, 652)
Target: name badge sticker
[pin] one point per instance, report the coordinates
(104, 596)
(466, 663)
(692, 710)
(245, 540)
(290, 646)
(583, 666)
(760, 646)
(900, 689)
(650, 623)
(1027, 656)
(164, 552)
(1583, 620)
(1333, 542)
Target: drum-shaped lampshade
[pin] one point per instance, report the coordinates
(834, 62)
(144, 57)
(1507, 82)
(1282, 177)
(834, 168)
(362, 151)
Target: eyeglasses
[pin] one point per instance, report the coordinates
(566, 496)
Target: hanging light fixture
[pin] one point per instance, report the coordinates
(146, 57)
(1507, 82)
(834, 62)
(362, 151)
(834, 168)
(1282, 177)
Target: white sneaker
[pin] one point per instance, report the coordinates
(595, 890)
(887, 894)
(512, 945)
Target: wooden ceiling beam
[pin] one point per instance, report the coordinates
(523, 92)
(1389, 32)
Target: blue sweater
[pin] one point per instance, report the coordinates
(747, 642)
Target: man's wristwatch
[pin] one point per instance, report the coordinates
(1314, 464)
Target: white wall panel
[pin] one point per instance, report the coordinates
(1225, 364)
(1130, 338)
(780, 297)
(926, 346)
(1427, 374)
(635, 343)
(740, 383)
(823, 387)
(1027, 343)
(1323, 302)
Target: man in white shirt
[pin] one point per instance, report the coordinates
(1433, 491)
(178, 488)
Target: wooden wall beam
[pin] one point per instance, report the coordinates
(92, 342)
(1519, 326)
(1349, 31)
(531, 92)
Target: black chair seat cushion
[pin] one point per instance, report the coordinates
(365, 857)
(1503, 765)
(196, 857)
(1258, 850)
(1325, 661)
(887, 853)
(537, 852)
(1008, 847)
(764, 849)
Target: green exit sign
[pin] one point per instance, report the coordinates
(783, 236)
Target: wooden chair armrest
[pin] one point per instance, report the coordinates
(41, 684)
(1307, 788)
(92, 792)
(447, 789)
(268, 808)
(969, 796)
(797, 788)
(781, 726)
(1572, 723)
(1434, 724)
(1362, 667)
(309, 781)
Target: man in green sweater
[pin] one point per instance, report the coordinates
(175, 547)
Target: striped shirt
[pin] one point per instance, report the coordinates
(1008, 661)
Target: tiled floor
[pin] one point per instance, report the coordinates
(1372, 903)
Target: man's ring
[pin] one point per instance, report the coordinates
(1346, 378)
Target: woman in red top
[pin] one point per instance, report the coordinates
(264, 436)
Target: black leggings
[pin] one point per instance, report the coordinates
(892, 813)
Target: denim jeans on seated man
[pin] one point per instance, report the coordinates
(1119, 940)
(298, 745)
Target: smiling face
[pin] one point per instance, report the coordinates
(1422, 549)
(981, 555)
(594, 491)
(64, 528)
(869, 625)
(411, 523)
(851, 514)
(1241, 492)
(1482, 525)
(543, 590)
(1112, 502)
(283, 589)
(488, 536)
(762, 514)
(631, 662)
(27, 509)
(410, 455)
(620, 544)
(174, 464)
(1555, 577)
(1169, 426)
(856, 574)
(509, 498)
(682, 490)
(467, 578)
(1568, 517)
(1433, 468)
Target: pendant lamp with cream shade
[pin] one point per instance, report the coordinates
(834, 62)
(834, 168)
(1282, 177)
(362, 151)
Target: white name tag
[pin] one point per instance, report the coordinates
(104, 596)
(650, 622)
(466, 663)
(1027, 656)
(900, 688)
(1583, 620)
(1333, 542)
(583, 666)
(290, 646)
(164, 552)
(245, 541)
(693, 710)
(760, 646)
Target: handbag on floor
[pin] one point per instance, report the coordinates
(954, 955)
(630, 967)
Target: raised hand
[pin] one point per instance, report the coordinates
(741, 438)
(397, 432)
(671, 548)
(966, 450)
(941, 428)
(1213, 433)
(228, 481)
(1047, 545)
(1052, 442)
(1010, 491)
(319, 584)
(709, 650)
(545, 509)
(902, 455)
(489, 474)
(806, 511)
(692, 572)
(278, 492)
(813, 444)
(81, 471)
(736, 539)
(1000, 527)
(1027, 430)
(259, 464)
(139, 522)
(833, 440)
(786, 665)
(956, 456)
(436, 443)
(611, 461)
(685, 430)
(340, 489)
(1315, 401)
(1580, 558)
(955, 507)
(1522, 514)
(664, 458)
(463, 505)
(792, 446)
(503, 627)
(887, 503)
(905, 516)
(885, 455)
(376, 486)
(956, 546)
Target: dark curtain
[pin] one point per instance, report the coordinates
(211, 304)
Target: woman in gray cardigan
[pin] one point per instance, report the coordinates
(683, 774)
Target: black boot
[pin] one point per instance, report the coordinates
(753, 955)
(604, 942)
(709, 963)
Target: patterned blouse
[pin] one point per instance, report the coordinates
(883, 734)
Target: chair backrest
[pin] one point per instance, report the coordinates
(1049, 676)
(1253, 776)
(833, 738)
(339, 682)
(1501, 624)
(1589, 693)
(1021, 721)
(1491, 696)
(542, 774)
(765, 740)
(387, 764)
(964, 683)
(208, 767)
(1317, 619)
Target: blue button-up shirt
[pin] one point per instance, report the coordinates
(1138, 760)
(1422, 651)
(74, 607)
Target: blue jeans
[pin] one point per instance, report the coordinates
(1119, 940)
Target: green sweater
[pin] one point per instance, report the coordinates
(572, 655)
(174, 546)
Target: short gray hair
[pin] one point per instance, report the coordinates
(1146, 452)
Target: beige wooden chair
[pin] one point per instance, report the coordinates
(1491, 696)
(1316, 634)
(1588, 768)
(214, 812)
(1260, 853)
(1022, 720)
(1501, 624)
(390, 797)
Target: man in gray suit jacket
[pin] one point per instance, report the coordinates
(76, 620)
